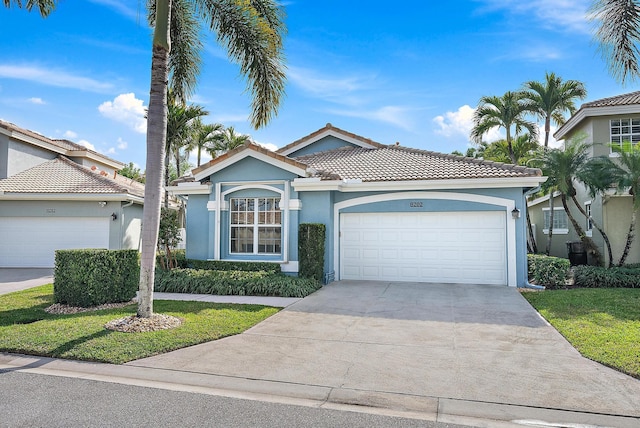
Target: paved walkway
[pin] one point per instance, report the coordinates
(475, 355)
(16, 279)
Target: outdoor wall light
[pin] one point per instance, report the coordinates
(515, 213)
(114, 216)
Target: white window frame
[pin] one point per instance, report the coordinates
(588, 222)
(559, 230)
(624, 129)
(256, 225)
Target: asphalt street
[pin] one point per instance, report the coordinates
(33, 400)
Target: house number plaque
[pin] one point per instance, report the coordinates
(415, 204)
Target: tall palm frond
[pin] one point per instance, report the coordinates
(502, 112)
(549, 100)
(45, 7)
(618, 35)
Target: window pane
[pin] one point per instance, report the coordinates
(615, 122)
(269, 240)
(242, 240)
(624, 122)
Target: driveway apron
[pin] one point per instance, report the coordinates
(467, 342)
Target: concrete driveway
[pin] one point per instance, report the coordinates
(15, 279)
(476, 350)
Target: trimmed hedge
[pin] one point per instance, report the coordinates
(241, 283)
(223, 265)
(614, 277)
(552, 272)
(93, 277)
(311, 250)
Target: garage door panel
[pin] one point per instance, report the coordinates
(454, 247)
(32, 241)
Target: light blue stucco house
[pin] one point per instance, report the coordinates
(391, 213)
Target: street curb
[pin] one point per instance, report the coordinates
(435, 409)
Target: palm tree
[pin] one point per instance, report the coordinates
(228, 140)
(618, 35)
(565, 168)
(551, 99)
(204, 137)
(524, 148)
(502, 112)
(252, 33)
(628, 177)
(44, 6)
(179, 119)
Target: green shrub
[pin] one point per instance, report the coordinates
(614, 277)
(311, 250)
(224, 265)
(94, 277)
(253, 283)
(552, 272)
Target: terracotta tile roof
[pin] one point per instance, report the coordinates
(325, 128)
(395, 163)
(618, 100)
(62, 175)
(251, 146)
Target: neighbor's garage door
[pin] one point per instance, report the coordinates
(448, 247)
(32, 241)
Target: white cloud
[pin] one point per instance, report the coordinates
(122, 144)
(127, 109)
(111, 151)
(48, 76)
(69, 134)
(268, 146)
(123, 9)
(330, 88)
(459, 123)
(87, 144)
(568, 15)
(395, 115)
(553, 143)
(36, 100)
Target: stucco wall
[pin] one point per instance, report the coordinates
(324, 144)
(21, 157)
(617, 211)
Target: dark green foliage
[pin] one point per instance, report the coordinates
(168, 237)
(614, 277)
(552, 272)
(311, 250)
(94, 277)
(233, 282)
(224, 265)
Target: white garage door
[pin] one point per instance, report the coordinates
(32, 241)
(447, 247)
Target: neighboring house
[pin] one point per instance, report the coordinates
(55, 194)
(601, 122)
(391, 213)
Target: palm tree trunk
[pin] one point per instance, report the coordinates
(589, 245)
(597, 226)
(551, 214)
(156, 137)
(547, 131)
(199, 153)
(512, 155)
(630, 237)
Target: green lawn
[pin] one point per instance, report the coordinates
(602, 323)
(26, 328)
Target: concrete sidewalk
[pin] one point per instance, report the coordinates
(474, 355)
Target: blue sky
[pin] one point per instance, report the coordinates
(411, 72)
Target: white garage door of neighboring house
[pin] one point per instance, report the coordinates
(447, 247)
(32, 241)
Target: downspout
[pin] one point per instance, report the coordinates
(526, 282)
(122, 221)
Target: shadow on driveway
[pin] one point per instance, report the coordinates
(15, 279)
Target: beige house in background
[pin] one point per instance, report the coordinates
(603, 122)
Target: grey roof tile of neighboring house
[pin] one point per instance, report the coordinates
(329, 126)
(61, 143)
(394, 163)
(618, 100)
(62, 175)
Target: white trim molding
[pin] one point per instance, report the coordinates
(331, 132)
(191, 188)
(253, 154)
(507, 204)
(315, 184)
